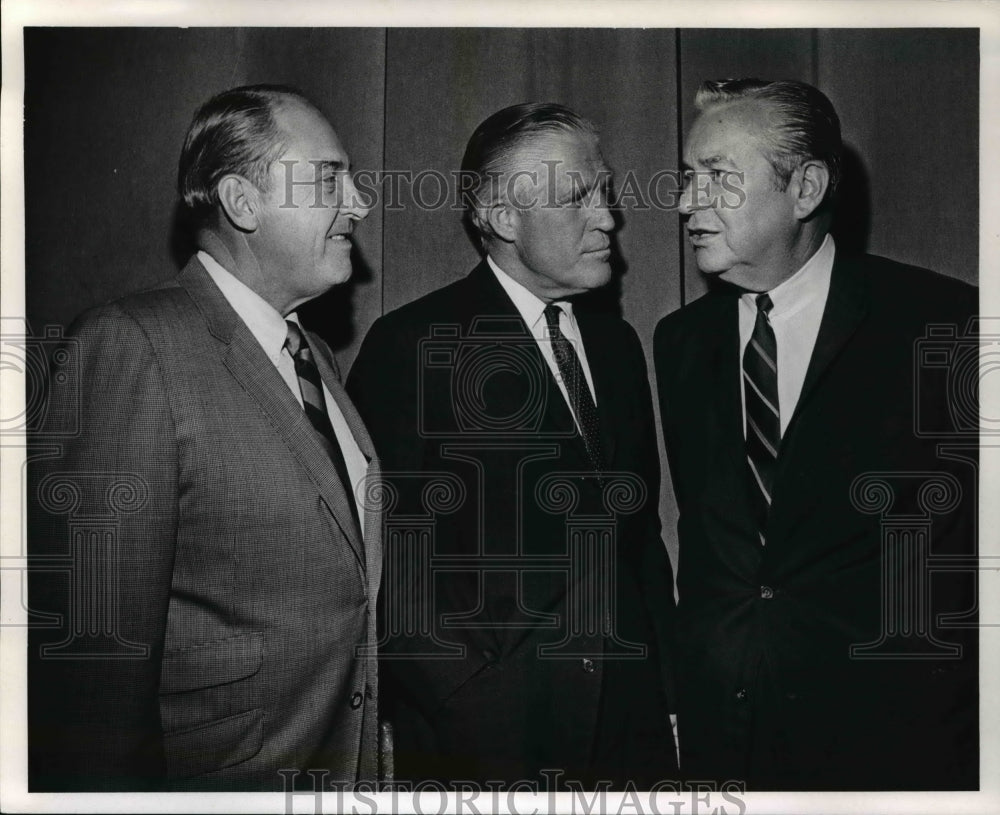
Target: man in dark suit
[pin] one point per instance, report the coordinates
(815, 649)
(527, 592)
(223, 573)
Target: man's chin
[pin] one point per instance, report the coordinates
(338, 275)
(599, 274)
(709, 266)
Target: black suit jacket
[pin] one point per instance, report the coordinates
(456, 391)
(768, 688)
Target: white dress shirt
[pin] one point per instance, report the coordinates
(531, 309)
(795, 317)
(269, 329)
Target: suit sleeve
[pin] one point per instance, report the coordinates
(664, 352)
(384, 386)
(654, 569)
(102, 529)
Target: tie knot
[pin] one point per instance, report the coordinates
(552, 313)
(294, 341)
(764, 304)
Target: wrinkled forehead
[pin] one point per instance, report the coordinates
(555, 157)
(307, 134)
(729, 127)
(558, 145)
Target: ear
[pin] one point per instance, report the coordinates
(240, 201)
(809, 186)
(502, 220)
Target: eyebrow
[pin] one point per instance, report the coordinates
(331, 164)
(709, 161)
(580, 188)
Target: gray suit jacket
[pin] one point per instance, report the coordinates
(219, 626)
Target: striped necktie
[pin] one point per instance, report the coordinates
(314, 405)
(760, 398)
(575, 381)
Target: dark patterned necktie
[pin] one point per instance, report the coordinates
(760, 398)
(575, 381)
(311, 388)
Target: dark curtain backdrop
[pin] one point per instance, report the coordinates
(106, 111)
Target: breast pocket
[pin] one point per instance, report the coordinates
(211, 704)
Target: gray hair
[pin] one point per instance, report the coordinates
(806, 126)
(492, 149)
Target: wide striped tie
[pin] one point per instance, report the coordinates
(763, 422)
(311, 388)
(581, 400)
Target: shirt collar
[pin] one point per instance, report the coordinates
(529, 305)
(263, 320)
(808, 283)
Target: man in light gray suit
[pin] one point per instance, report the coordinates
(218, 625)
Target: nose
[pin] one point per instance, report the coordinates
(685, 204)
(356, 205)
(601, 217)
(604, 221)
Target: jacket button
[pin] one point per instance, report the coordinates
(356, 700)
(589, 666)
(369, 694)
(741, 694)
(766, 592)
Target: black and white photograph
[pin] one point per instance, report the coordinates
(510, 407)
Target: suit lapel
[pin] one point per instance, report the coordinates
(603, 364)
(846, 307)
(488, 298)
(725, 408)
(372, 519)
(718, 369)
(249, 365)
(493, 301)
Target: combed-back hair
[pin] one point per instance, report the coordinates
(493, 146)
(806, 125)
(234, 132)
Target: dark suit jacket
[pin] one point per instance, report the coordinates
(768, 689)
(453, 387)
(238, 589)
